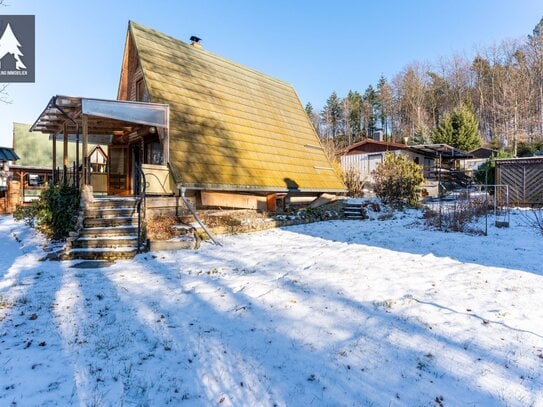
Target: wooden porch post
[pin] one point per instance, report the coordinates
(85, 148)
(54, 157)
(65, 146)
(65, 152)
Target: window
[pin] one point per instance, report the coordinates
(154, 153)
(37, 180)
(141, 91)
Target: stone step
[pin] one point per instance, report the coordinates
(110, 203)
(353, 217)
(109, 212)
(184, 244)
(110, 222)
(107, 241)
(109, 231)
(100, 253)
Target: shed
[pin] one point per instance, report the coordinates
(524, 176)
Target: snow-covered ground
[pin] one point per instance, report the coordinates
(339, 313)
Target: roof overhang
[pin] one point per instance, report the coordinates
(104, 117)
(8, 154)
(439, 150)
(384, 145)
(519, 161)
(255, 188)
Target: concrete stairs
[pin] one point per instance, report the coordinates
(353, 211)
(110, 231)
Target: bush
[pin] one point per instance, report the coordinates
(397, 181)
(54, 213)
(457, 216)
(486, 173)
(534, 218)
(351, 179)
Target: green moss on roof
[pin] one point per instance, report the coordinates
(230, 126)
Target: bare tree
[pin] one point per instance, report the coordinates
(4, 97)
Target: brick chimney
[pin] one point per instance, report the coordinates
(195, 42)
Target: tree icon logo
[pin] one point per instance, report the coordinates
(17, 48)
(9, 44)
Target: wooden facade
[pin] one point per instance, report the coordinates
(524, 176)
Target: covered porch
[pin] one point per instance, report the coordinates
(116, 142)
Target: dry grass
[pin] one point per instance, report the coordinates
(457, 215)
(534, 218)
(161, 227)
(351, 179)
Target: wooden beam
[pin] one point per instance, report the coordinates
(85, 148)
(54, 156)
(65, 145)
(232, 200)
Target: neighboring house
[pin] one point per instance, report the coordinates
(9, 189)
(483, 152)
(441, 163)
(34, 169)
(524, 178)
(226, 134)
(367, 154)
(479, 156)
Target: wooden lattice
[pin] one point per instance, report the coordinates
(524, 178)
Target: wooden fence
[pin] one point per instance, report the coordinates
(525, 179)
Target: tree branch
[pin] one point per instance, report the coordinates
(4, 96)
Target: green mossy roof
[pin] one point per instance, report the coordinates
(231, 127)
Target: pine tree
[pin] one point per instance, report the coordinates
(384, 104)
(459, 129)
(309, 110)
(369, 108)
(10, 45)
(355, 102)
(538, 29)
(331, 115)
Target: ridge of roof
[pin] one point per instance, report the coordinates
(372, 141)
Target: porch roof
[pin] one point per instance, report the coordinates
(105, 117)
(436, 150)
(7, 154)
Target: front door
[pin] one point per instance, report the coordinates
(119, 176)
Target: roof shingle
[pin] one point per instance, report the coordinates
(231, 127)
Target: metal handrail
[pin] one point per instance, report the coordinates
(189, 206)
(142, 188)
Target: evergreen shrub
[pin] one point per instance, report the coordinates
(54, 213)
(397, 181)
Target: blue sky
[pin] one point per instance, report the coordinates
(318, 46)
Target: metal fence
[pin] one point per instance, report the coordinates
(471, 209)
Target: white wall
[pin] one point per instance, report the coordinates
(367, 162)
(364, 163)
